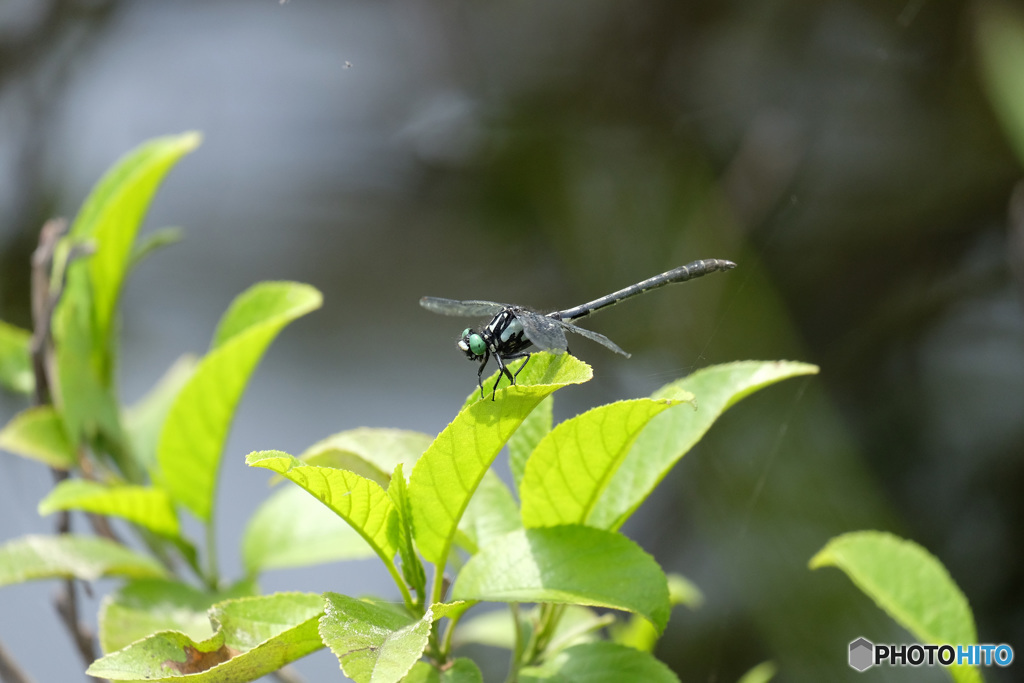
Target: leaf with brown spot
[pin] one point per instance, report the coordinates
(255, 636)
(196, 660)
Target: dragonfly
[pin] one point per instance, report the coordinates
(514, 330)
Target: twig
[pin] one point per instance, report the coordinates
(44, 302)
(67, 607)
(10, 672)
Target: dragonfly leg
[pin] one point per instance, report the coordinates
(527, 356)
(480, 372)
(502, 370)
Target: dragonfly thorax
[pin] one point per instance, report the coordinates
(503, 336)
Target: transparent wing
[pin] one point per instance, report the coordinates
(545, 333)
(465, 309)
(593, 336)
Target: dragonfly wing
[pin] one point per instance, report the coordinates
(545, 333)
(593, 336)
(465, 309)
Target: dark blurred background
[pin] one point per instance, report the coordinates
(847, 155)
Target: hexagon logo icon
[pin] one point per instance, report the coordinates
(862, 654)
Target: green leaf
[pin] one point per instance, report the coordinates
(255, 636)
(412, 568)
(497, 628)
(461, 670)
(111, 217)
(294, 529)
(71, 557)
(574, 463)
(1000, 46)
(15, 359)
(638, 633)
(146, 606)
(525, 439)
(372, 642)
(146, 506)
(192, 440)
(370, 452)
(567, 564)
(38, 434)
(670, 435)
(762, 673)
(154, 242)
(88, 406)
(909, 584)
(682, 591)
(144, 420)
(492, 511)
(359, 501)
(445, 478)
(600, 662)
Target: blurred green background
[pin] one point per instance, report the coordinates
(856, 159)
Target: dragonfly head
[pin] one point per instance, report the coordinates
(472, 344)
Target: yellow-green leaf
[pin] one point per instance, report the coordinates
(910, 584)
(143, 505)
(15, 361)
(71, 557)
(38, 434)
(196, 428)
(359, 501)
(445, 477)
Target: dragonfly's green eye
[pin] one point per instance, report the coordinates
(476, 344)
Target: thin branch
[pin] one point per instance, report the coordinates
(10, 672)
(44, 302)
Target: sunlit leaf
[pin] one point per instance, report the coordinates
(294, 529)
(567, 564)
(521, 444)
(496, 628)
(412, 568)
(68, 556)
(111, 217)
(143, 505)
(600, 662)
(492, 511)
(638, 633)
(144, 420)
(762, 673)
(910, 584)
(87, 403)
(672, 434)
(446, 476)
(196, 428)
(359, 501)
(38, 434)
(372, 643)
(255, 636)
(15, 361)
(145, 606)
(460, 670)
(370, 452)
(573, 465)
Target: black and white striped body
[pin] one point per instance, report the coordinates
(514, 329)
(680, 274)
